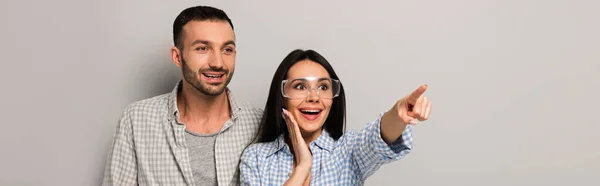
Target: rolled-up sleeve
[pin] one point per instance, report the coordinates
(121, 165)
(370, 152)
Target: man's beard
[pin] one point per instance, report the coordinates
(192, 78)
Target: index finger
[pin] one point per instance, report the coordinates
(412, 98)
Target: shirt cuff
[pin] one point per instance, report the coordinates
(399, 148)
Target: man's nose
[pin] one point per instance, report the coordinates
(216, 60)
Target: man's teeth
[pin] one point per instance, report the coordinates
(213, 76)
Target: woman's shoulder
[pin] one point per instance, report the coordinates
(348, 138)
(260, 147)
(349, 134)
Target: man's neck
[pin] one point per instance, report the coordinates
(200, 111)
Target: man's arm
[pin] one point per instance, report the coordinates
(121, 165)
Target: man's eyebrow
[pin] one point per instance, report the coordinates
(201, 42)
(230, 42)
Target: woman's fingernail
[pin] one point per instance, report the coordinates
(414, 122)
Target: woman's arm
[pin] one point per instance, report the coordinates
(298, 177)
(249, 173)
(386, 139)
(249, 163)
(406, 111)
(302, 154)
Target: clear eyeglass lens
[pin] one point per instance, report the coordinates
(325, 88)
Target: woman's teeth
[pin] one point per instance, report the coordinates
(310, 111)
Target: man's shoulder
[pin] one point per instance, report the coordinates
(250, 115)
(149, 106)
(247, 108)
(250, 108)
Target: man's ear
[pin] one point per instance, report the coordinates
(176, 56)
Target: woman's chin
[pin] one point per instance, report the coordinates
(310, 128)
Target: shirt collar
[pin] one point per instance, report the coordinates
(324, 141)
(234, 105)
(279, 145)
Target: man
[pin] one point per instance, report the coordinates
(196, 134)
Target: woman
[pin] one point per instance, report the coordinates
(302, 138)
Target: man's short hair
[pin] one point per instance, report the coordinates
(197, 13)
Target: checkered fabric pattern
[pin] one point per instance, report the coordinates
(149, 145)
(347, 161)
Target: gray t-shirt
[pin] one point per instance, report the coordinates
(202, 157)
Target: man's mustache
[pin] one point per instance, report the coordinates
(225, 71)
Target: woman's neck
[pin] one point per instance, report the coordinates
(312, 136)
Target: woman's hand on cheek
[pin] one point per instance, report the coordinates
(302, 154)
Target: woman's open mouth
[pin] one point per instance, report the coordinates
(310, 113)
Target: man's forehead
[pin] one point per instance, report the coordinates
(217, 32)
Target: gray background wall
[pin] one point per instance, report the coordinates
(514, 83)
